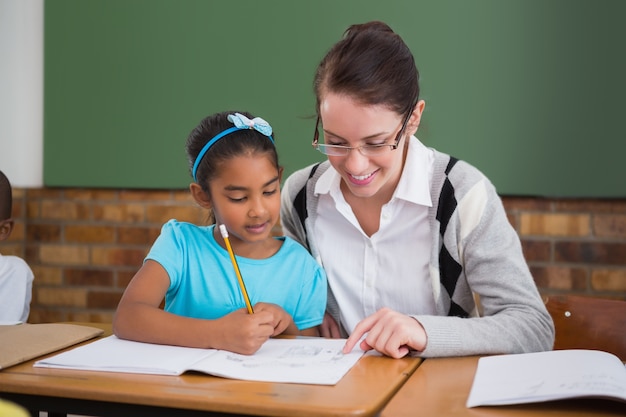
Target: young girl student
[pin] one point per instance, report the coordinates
(426, 232)
(236, 177)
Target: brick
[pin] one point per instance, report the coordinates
(88, 277)
(17, 234)
(573, 225)
(610, 225)
(64, 254)
(44, 193)
(525, 204)
(183, 196)
(18, 211)
(12, 249)
(151, 195)
(64, 210)
(99, 195)
(590, 252)
(103, 299)
(609, 279)
(46, 315)
(31, 254)
(161, 213)
(38, 232)
(137, 235)
(561, 278)
(91, 317)
(592, 206)
(89, 234)
(537, 250)
(61, 297)
(118, 257)
(47, 275)
(122, 213)
(33, 210)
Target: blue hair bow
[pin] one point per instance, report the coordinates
(242, 122)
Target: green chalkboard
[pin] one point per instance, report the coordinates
(529, 91)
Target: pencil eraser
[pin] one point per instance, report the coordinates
(223, 231)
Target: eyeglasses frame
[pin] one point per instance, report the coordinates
(393, 146)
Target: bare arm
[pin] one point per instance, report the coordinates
(138, 317)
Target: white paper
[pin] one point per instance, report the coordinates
(545, 376)
(299, 360)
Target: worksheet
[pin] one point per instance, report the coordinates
(304, 360)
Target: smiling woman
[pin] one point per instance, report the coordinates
(425, 231)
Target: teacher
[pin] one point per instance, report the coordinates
(418, 251)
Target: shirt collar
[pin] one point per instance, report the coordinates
(414, 185)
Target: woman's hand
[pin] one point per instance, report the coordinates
(329, 328)
(390, 333)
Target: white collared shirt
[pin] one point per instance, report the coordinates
(390, 268)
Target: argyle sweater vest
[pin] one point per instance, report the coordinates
(450, 271)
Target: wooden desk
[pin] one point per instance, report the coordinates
(440, 387)
(365, 389)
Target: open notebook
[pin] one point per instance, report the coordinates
(22, 342)
(546, 376)
(299, 360)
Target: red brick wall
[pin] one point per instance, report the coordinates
(84, 245)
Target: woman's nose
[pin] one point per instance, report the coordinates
(355, 162)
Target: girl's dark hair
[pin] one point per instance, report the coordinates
(371, 64)
(237, 143)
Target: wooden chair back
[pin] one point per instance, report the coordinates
(589, 323)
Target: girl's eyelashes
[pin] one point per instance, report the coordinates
(266, 193)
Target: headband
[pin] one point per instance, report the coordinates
(241, 122)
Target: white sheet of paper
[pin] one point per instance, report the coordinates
(545, 376)
(299, 360)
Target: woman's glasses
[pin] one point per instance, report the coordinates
(366, 150)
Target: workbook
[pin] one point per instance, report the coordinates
(546, 376)
(304, 360)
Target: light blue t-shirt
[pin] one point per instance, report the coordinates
(203, 283)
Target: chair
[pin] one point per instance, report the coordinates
(589, 323)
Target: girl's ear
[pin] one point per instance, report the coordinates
(200, 196)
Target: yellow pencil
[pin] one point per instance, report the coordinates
(236, 266)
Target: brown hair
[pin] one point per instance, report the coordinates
(371, 64)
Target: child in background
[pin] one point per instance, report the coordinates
(236, 175)
(16, 277)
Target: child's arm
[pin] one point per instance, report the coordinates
(138, 317)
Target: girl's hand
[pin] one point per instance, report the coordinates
(243, 333)
(282, 321)
(390, 333)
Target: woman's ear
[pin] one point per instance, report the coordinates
(416, 117)
(200, 196)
